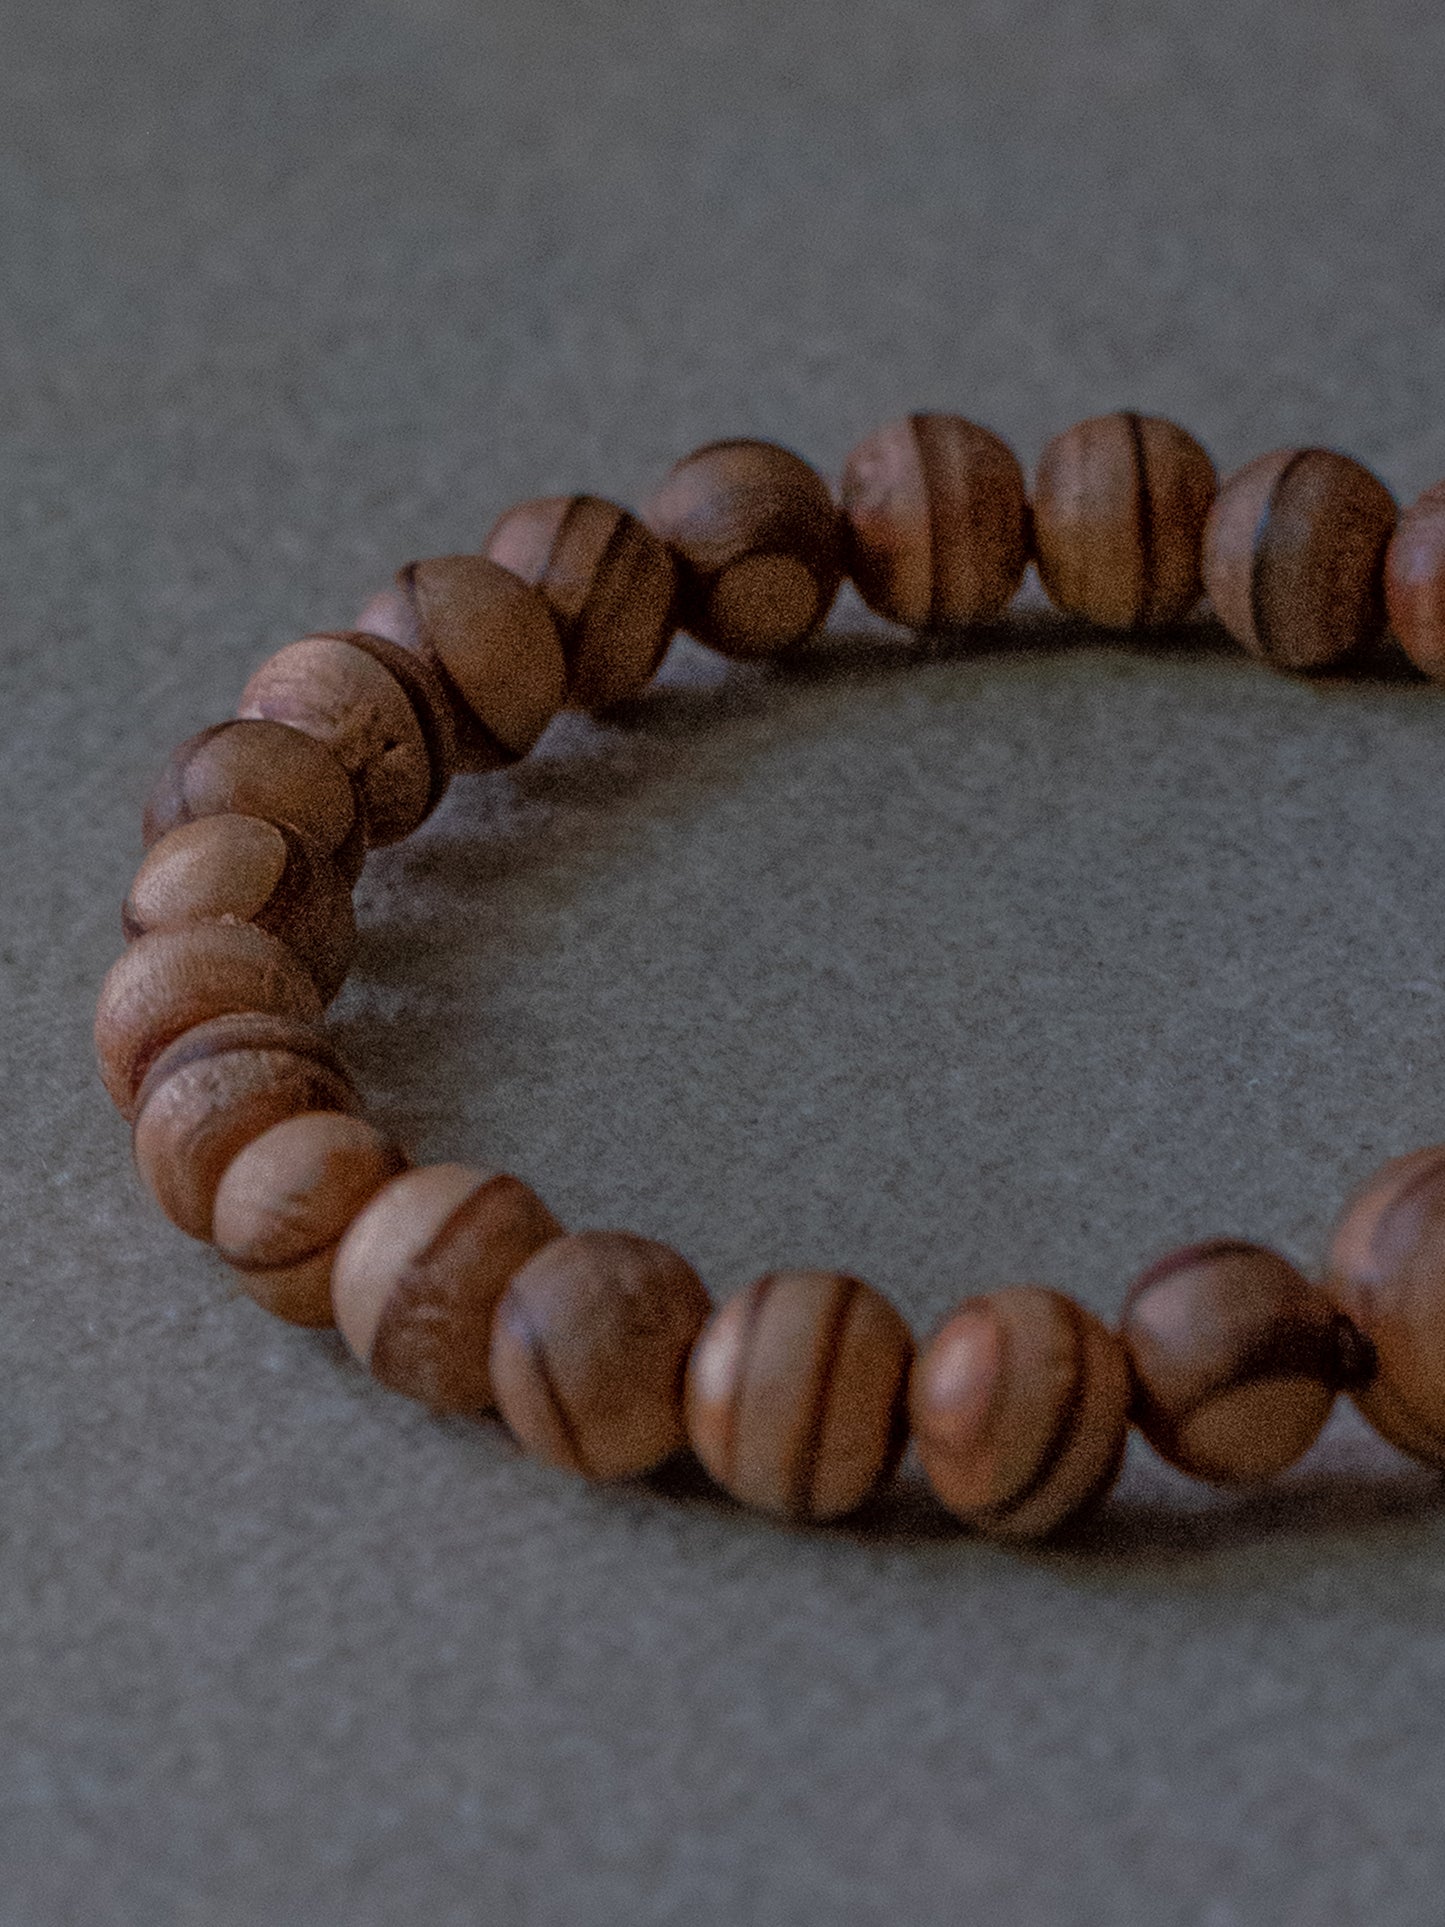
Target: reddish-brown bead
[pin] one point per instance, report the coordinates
(1415, 582)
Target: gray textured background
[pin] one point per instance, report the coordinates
(949, 969)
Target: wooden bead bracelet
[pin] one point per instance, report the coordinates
(455, 1285)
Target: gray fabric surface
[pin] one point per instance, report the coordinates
(948, 968)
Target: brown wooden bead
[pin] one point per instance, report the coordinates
(611, 584)
(380, 711)
(759, 544)
(1294, 555)
(169, 981)
(214, 1089)
(1236, 1360)
(589, 1349)
(938, 521)
(417, 1277)
(265, 769)
(1020, 1408)
(285, 1199)
(241, 869)
(1119, 508)
(1415, 581)
(492, 643)
(797, 1393)
(1386, 1271)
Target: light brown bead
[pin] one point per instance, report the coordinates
(1415, 581)
(241, 869)
(213, 1090)
(589, 1348)
(417, 1277)
(1119, 508)
(380, 711)
(1020, 1407)
(938, 521)
(1386, 1272)
(759, 544)
(265, 769)
(1294, 556)
(285, 1200)
(610, 583)
(1236, 1358)
(492, 643)
(797, 1393)
(169, 981)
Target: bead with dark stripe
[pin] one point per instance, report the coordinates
(794, 1391)
(1019, 1406)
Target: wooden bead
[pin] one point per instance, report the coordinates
(241, 869)
(759, 544)
(589, 1348)
(1415, 581)
(797, 1393)
(1020, 1407)
(1236, 1360)
(938, 521)
(380, 711)
(285, 1199)
(1386, 1272)
(492, 644)
(1119, 509)
(169, 981)
(1294, 555)
(217, 1087)
(265, 769)
(610, 582)
(417, 1277)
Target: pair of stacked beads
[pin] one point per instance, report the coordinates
(456, 1285)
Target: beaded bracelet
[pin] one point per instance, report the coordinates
(455, 1285)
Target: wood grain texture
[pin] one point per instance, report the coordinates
(759, 545)
(377, 708)
(797, 1393)
(1119, 508)
(610, 583)
(418, 1276)
(1236, 1358)
(589, 1349)
(265, 769)
(243, 869)
(169, 981)
(286, 1198)
(1020, 1405)
(1294, 557)
(213, 1090)
(938, 521)
(1415, 582)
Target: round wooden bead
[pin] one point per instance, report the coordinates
(169, 981)
(417, 1277)
(213, 1090)
(265, 769)
(759, 544)
(1119, 508)
(938, 521)
(1294, 555)
(492, 643)
(380, 711)
(610, 582)
(589, 1348)
(797, 1393)
(1415, 581)
(1236, 1360)
(285, 1199)
(1020, 1407)
(241, 869)
(1386, 1271)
